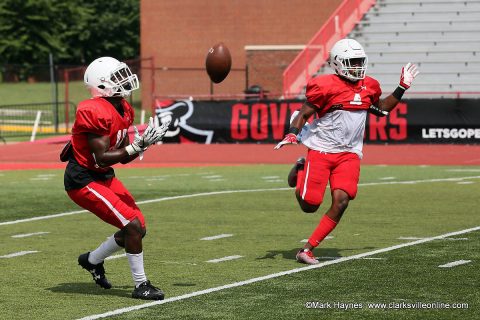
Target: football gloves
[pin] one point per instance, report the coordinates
(409, 72)
(152, 134)
(289, 139)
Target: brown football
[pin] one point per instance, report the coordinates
(218, 62)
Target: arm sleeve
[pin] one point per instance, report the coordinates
(316, 93)
(87, 120)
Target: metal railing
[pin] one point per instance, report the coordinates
(309, 60)
(20, 120)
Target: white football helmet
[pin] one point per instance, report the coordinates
(108, 77)
(348, 59)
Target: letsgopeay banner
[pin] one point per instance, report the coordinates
(267, 121)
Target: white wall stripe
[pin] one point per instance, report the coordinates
(220, 236)
(24, 235)
(224, 259)
(274, 275)
(17, 254)
(454, 263)
(204, 194)
(110, 206)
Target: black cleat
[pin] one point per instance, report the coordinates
(97, 271)
(292, 176)
(146, 291)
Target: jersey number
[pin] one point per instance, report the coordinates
(357, 99)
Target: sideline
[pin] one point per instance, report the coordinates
(203, 194)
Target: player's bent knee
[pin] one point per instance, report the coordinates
(305, 206)
(134, 227)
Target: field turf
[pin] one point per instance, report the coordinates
(397, 212)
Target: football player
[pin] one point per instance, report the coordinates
(100, 140)
(335, 138)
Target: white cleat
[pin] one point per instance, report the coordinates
(306, 256)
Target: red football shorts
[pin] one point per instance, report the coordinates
(109, 200)
(341, 169)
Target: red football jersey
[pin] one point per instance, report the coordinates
(331, 92)
(98, 116)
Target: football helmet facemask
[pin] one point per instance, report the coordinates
(108, 77)
(348, 59)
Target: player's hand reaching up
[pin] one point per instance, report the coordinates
(409, 72)
(152, 134)
(289, 139)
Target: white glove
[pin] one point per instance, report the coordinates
(152, 134)
(161, 130)
(409, 72)
(290, 138)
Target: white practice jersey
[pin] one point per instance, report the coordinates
(337, 131)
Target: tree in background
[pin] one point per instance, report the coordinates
(113, 30)
(75, 32)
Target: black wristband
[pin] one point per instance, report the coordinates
(398, 93)
(293, 130)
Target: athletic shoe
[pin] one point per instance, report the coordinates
(146, 291)
(306, 256)
(292, 176)
(97, 271)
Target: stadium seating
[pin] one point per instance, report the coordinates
(442, 37)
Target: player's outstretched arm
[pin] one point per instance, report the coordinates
(152, 134)
(297, 124)
(99, 145)
(408, 74)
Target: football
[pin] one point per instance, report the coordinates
(218, 62)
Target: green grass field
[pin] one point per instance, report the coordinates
(252, 203)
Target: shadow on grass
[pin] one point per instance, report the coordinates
(92, 288)
(320, 253)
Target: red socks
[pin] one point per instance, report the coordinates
(325, 226)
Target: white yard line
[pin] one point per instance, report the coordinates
(224, 259)
(454, 263)
(275, 275)
(409, 238)
(418, 238)
(117, 256)
(326, 238)
(220, 236)
(203, 194)
(17, 254)
(24, 235)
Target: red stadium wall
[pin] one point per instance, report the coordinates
(179, 34)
